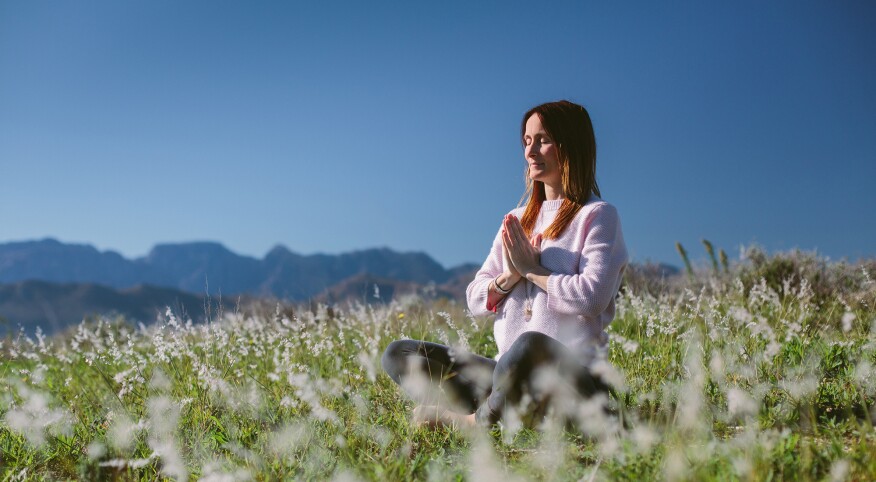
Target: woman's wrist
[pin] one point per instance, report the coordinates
(497, 287)
(507, 280)
(539, 277)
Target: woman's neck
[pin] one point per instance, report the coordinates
(552, 193)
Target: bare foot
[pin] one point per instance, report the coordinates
(434, 416)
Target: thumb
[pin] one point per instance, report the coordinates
(536, 241)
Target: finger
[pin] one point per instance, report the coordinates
(511, 223)
(515, 225)
(514, 221)
(510, 247)
(510, 231)
(536, 241)
(506, 263)
(513, 245)
(518, 234)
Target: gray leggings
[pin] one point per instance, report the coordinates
(474, 384)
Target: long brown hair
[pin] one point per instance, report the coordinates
(569, 126)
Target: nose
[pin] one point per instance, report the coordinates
(529, 151)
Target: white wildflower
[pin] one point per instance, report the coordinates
(644, 438)
(690, 397)
(34, 417)
(420, 388)
(675, 466)
(794, 329)
(592, 418)
(163, 419)
(739, 403)
(741, 315)
(345, 475)
(839, 470)
(627, 345)
(288, 438)
(160, 381)
(19, 476)
(742, 467)
(367, 362)
(121, 432)
(716, 367)
(484, 465)
(609, 374)
(800, 388)
(848, 318)
(381, 435)
(863, 375)
(213, 472)
(132, 463)
(772, 349)
(95, 450)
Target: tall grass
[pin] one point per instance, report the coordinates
(759, 372)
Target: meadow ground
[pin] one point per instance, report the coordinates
(764, 371)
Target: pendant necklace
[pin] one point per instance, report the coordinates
(527, 307)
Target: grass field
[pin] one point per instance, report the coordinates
(765, 372)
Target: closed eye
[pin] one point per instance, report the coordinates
(539, 138)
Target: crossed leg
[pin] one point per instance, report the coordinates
(463, 388)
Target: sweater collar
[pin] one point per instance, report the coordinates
(556, 203)
(551, 205)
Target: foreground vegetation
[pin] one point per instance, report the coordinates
(763, 371)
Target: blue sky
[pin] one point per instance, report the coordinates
(335, 126)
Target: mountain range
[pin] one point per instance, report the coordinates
(54, 284)
(211, 268)
(58, 283)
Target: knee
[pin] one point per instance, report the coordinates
(393, 358)
(529, 350)
(532, 342)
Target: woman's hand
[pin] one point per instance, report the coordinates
(521, 254)
(510, 270)
(510, 276)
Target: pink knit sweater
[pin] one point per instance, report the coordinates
(587, 262)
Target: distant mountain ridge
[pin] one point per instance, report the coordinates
(55, 306)
(209, 267)
(55, 285)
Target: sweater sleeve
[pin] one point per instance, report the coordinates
(603, 258)
(476, 293)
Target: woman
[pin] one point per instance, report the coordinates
(551, 277)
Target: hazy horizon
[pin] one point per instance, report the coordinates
(696, 252)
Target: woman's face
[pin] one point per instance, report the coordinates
(541, 154)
